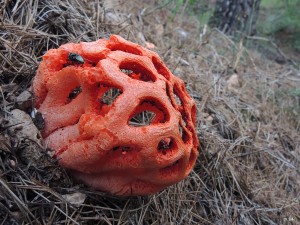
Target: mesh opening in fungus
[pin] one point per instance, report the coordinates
(73, 94)
(149, 112)
(168, 93)
(178, 101)
(184, 119)
(122, 149)
(166, 145)
(110, 96)
(184, 135)
(160, 67)
(105, 98)
(141, 119)
(137, 71)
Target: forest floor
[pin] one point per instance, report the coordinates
(248, 121)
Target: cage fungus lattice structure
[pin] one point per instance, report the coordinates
(116, 117)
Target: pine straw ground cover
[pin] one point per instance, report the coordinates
(248, 121)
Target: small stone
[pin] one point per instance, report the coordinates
(18, 127)
(12, 163)
(209, 119)
(24, 100)
(21, 121)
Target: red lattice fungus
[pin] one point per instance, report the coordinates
(112, 117)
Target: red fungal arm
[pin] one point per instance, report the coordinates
(90, 108)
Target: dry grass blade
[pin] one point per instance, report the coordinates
(142, 119)
(9, 193)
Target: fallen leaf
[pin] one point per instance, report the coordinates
(22, 126)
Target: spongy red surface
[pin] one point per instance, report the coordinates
(94, 139)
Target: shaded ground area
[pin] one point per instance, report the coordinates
(278, 20)
(248, 121)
